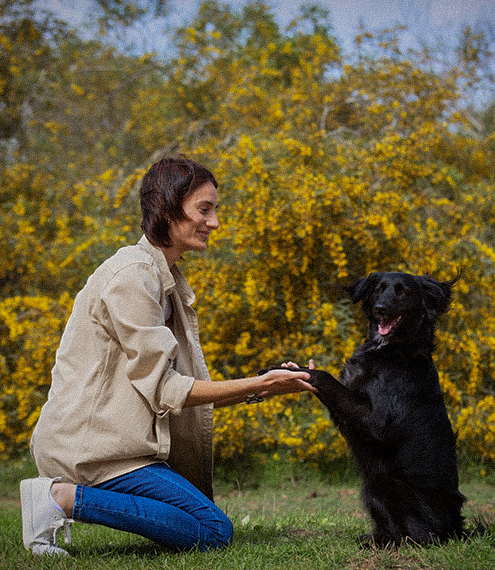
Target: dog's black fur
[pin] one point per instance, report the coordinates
(389, 407)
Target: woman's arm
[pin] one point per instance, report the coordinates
(272, 383)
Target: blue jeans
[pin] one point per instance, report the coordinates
(157, 503)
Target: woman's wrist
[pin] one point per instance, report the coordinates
(254, 399)
(232, 391)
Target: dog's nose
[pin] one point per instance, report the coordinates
(380, 309)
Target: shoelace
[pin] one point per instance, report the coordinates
(62, 524)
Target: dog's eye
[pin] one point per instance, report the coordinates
(381, 288)
(399, 289)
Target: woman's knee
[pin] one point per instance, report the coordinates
(219, 533)
(227, 533)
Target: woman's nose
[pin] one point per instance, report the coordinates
(213, 222)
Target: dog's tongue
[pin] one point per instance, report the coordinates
(384, 327)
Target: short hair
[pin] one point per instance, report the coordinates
(163, 191)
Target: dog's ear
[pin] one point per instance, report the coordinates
(362, 288)
(437, 294)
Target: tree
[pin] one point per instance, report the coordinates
(233, 67)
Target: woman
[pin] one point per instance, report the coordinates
(125, 438)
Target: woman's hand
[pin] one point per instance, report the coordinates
(273, 383)
(277, 382)
(311, 364)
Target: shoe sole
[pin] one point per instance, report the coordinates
(27, 513)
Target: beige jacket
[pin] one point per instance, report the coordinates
(121, 378)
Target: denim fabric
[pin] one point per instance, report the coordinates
(157, 503)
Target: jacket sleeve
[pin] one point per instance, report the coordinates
(131, 306)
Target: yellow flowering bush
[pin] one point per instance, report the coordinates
(476, 428)
(300, 234)
(31, 329)
(330, 167)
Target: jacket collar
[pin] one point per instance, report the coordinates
(172, 277)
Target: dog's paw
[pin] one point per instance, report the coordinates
(294, 368)
(319, 378)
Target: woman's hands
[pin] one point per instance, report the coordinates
(278, 382)
(311, 364)
(272, 383)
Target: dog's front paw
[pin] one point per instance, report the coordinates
(293, 368)
(318, 379)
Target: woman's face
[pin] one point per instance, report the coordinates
(192, 234)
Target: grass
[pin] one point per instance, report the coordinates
(283, 520)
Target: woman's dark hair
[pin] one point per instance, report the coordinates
(163, 190)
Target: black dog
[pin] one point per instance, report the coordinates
(390, 409)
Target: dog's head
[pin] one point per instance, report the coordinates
(398, 304)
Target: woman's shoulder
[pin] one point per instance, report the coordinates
(127, 257)
(129, 268)
(134, 259)
(130, 255)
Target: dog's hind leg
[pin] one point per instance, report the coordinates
(399, 513)
(386, 530)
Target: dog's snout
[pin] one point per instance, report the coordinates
(380, 309)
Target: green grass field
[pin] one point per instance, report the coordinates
(282, 521)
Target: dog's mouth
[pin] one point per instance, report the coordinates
(386, 326)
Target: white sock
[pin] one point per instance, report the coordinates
(56, 506)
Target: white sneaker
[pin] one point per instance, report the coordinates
(41, 521)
